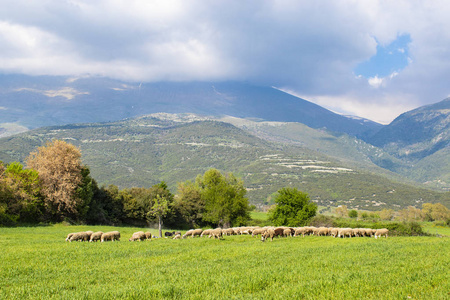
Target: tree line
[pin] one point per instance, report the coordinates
(55, 186)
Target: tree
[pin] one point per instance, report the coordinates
(60, 173)
(160, 209)
(224, 198)
(19, 194)
(190, 204)
(292, 208)
(353, 214)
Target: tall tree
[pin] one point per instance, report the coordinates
(293, 208)
(189, 204)
(60, 172)
(160, 209)
(19, 193)
(224, 198)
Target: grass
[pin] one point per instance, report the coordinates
(36, 263)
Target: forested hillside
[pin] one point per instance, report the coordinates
(147, 150)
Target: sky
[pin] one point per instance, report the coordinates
(369, 58)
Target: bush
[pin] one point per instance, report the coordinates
(321, 220)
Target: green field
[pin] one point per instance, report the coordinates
(37, 263)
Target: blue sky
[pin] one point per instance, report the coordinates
(374, 59)
(389, 59)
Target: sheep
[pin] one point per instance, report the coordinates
(334, 231)
(110, 236)
(177, 237)
(302, 231)
(343, 232)
(216, 233)
(206, 232)
(137, 236)
(323, 231)
(148, 235)
(288, 232)
(96, 236)
(237, 230)
(90, 233)
(272, 232)
(246, 230)
(69, 236)
(169, 234)
(197, 232)
(381, 232)
(229, 231)
(79, 236)
(188, 233)
(258, 231)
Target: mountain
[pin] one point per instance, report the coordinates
(420, 140)
(146, 150)
(416, 134)
(30, 102)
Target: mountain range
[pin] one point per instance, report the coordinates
(412, 150)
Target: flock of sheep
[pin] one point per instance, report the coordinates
(265, 232)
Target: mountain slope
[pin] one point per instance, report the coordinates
(418, 133)
(146, 150)
(42, 101)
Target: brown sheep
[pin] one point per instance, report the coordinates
(148, 235)
(381, 232)
(272, 232)
(96, 236)
(137, 236)
(79, 236)
(110, 236)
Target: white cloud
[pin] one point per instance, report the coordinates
(310, 47)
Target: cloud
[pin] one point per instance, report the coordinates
(310, 47)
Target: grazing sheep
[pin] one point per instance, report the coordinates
(258, 231)
(288, 232)
(96, 236)
(110, 236)
(323, 231)
(206, 232)
(216, 233)
(177, 237)
(381, 232)
(246, 230)
(79, 236)
(343, 232)
(229, 231)
(69, 236)
(334, 231)
(197, 232)
(188, 233)
(272, 232)
(237, 230)
(148, 235)
(137, 236)
(302, 231)
(168, 233)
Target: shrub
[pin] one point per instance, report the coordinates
(321, 220)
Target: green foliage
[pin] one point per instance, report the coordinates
(321, 221)
(293, 208)
(353, 214)
(224, 198)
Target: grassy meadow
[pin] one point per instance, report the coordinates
(37, 263)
